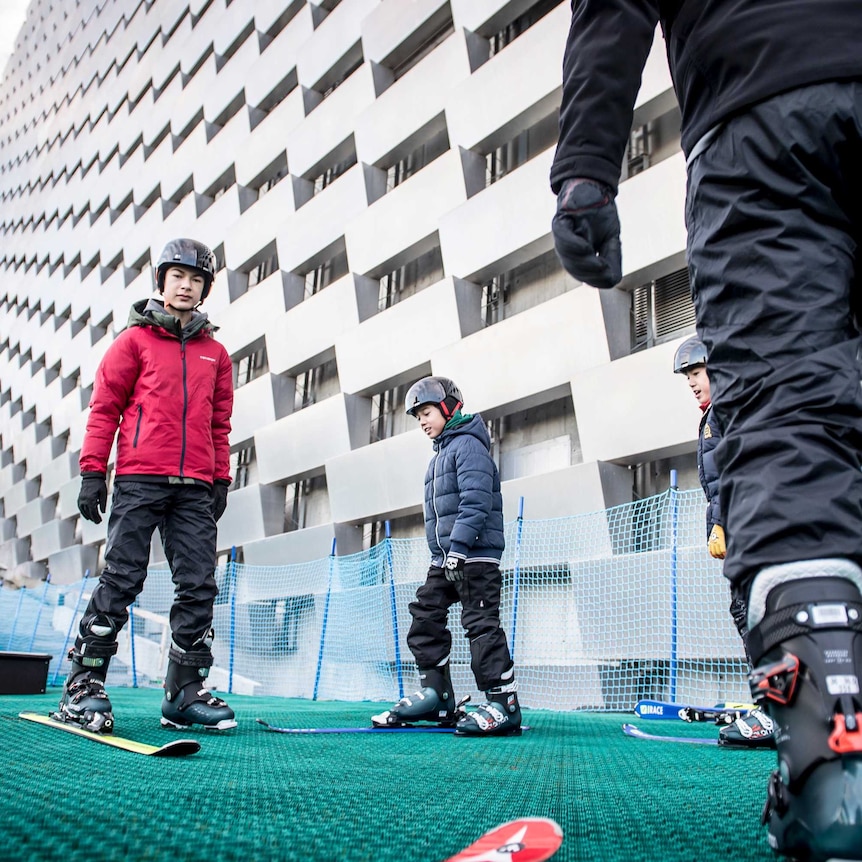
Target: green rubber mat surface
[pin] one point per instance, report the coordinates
(251, 794)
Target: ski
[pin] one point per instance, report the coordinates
(404, 728)
(723, 713)
(177, 748)
(528, 839)
(431, 728)
(637, 733)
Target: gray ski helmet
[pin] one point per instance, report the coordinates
(439, 391)
(187, 252)
(690, 354)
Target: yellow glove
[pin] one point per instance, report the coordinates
(716, 544)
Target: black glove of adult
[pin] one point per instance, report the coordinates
(220, 489)
(454, 568)
(586, 232)
(93, 496)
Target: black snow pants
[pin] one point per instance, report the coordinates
(184, 516)
(774, 217)
(430, 640)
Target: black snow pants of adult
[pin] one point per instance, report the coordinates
(774, 217)
(184, 516)
(430, 640)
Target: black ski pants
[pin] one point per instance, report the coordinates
(774, 217)
(430, 640)
(184, 516)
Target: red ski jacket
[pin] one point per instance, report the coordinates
(169, 390)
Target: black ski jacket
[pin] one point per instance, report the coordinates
(724, 56)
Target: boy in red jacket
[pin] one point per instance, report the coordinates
(165, 389)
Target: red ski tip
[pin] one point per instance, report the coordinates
(528, 839)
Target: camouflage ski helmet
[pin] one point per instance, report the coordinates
(187, 252)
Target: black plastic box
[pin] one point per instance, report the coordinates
(23, 672)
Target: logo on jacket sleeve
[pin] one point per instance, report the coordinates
(707, 432)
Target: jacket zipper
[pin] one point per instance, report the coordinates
(138, 426)
(434, 504)
(185, 405)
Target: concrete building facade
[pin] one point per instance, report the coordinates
(373, 178)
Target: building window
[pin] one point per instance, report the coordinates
(435, 38)
(494, 298)
(331, 174)
(294, 505)
(639, 149)
(241, 465)
(387, 414)
(410, 278)
(373, 533)
(251, 366)
(521, 24)
(543, 439)
(526, 286)
(651, 142)
(271, 183)
(263, 270)
(418, 159)
(306, 504)
(662, 310)
(342, 77)
(315, 384)
(524, 146)
(325, 274)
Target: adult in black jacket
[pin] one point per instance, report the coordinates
(770, 93)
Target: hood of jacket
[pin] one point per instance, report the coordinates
(151, 312)
(475, 427)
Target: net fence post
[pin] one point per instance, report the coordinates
(39, 611)
(325, 618)
(17, 617)
(132, 644)
(516, 581)
(71, 624)
(674, 543)
(231, 580)
(399, 671)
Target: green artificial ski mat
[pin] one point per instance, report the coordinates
(251, 795)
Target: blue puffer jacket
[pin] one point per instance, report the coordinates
(463, 504)
(708, 438)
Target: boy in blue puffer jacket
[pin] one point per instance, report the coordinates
(464, 528)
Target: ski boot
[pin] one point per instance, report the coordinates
(187, 700)
(435, 702)
(806, 640)
(755, 730)
(499, 715)
(84, 700)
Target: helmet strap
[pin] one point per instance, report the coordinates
(446, 411)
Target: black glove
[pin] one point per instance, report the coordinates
(454, 568)
(93, 496)
(220, 489)
(586, 232)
